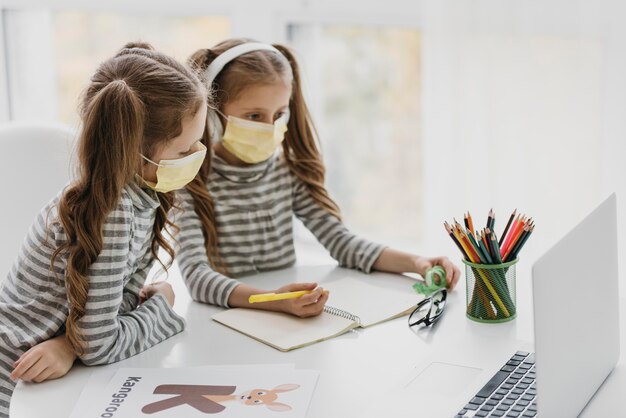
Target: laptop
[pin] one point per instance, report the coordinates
(576, 325)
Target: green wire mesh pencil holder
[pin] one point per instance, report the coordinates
(490, 292)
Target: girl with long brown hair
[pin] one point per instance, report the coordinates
(238, 212)
(77, 287)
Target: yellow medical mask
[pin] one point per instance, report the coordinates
(253, 142)
(176, 174)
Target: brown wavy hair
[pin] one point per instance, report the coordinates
(135, 102)
(301, 148)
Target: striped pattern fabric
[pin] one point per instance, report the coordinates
(33, 301)
(254, 208)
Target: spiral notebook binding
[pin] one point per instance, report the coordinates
(340, 312)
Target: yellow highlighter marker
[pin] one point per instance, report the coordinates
(267, 297)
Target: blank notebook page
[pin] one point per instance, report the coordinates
(283, 331)
(372, 298)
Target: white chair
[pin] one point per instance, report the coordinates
(35, 164)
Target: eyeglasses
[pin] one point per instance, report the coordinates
(428, 311)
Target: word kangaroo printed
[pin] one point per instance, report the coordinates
(119, 396)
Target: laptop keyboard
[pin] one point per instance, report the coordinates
(511, 392)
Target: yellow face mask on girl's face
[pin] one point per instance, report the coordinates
(176, 174)
(253, 142)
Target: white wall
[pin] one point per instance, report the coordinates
(524, 108)
(30, 67)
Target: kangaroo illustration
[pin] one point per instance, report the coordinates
(208, 399)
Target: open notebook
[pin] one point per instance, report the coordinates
(354, 302)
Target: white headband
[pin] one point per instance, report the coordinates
(227, 56)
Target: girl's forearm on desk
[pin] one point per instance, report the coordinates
(242, 292)
(394, 261)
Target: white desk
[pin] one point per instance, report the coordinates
(363, 373)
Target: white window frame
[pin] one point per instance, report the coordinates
(5, 110)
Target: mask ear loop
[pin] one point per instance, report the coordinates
(149, 160)
(141, 176)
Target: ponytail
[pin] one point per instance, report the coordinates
(204, 206)
(203, 202)
(301, 146)
(110, 143)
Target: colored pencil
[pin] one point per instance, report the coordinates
(484, 239)
(506, 228)
(481, 256)
(471, 224)
(485, 249)
(515, 235)
(521, 244)
(474, 257)
(456, 241)
(509, 236)
(508, 256)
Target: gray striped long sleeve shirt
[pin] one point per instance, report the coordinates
(33, 298)
(254, 209)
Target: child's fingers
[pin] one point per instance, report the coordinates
(25, 364)
(303, 286)
(316, 308)
(26, 353)
(323, 299)
(16, 362)
(44, 375)
(454, 278)
(310, 298)
(148, 291)
(34, 370)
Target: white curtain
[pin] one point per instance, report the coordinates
(524, 107)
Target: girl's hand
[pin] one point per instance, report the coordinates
(422, 264)
(158, 288)
(48, 360)
(311, 304)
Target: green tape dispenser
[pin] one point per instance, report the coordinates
(430, 285)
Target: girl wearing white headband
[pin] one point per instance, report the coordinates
(265, 167)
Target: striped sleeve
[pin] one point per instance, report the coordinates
(348, 249)
(204, 284)
(130, 297)
(8, 355)
(110, 335)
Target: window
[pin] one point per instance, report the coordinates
(364, 85)
(74, 43)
